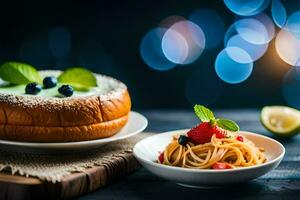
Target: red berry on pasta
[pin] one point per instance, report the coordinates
(161, 157)
(220, 165)
(203, 132)
(240, 138)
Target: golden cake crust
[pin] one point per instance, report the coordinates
(52, 119)
(62, 134)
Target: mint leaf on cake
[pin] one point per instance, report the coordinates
(79, 78)
(19, 73)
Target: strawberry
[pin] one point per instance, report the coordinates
(210, 125)
(203, 132)
(220, 165)
(220, 133)
(161, 157)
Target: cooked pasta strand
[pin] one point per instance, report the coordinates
(203, 156)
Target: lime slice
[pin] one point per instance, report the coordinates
(281, 120)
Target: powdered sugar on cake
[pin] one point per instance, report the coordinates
(108, 88)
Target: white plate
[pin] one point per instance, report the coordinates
(136, 124)
(146, 151)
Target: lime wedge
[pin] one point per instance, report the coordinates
(281, 120)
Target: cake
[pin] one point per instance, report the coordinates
(99, 112)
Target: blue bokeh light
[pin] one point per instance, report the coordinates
(268, 23)
(291, 87)
(248, 31)
(151, 50)
(255, 51)
(59, 41)
(174, 46)
(288, 47)
(293, 24)
(231, 31)
(246, 8)
(230, 70)
(252, 31)
(238, 55)
(212, 25)
(194, 37)
(278, 13)
(197, 36)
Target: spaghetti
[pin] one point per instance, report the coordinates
(230, 150)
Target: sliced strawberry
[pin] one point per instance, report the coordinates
(161, 157)
(220, 165)
(203, 132)
(220, 133)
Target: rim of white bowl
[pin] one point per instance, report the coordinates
(279, 158)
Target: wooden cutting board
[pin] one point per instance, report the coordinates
(76, 184)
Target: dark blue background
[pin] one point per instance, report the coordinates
(109, 33)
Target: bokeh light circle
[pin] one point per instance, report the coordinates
(174, 46)
(252, 31)
(293, 24)
(291, 87)
(231, 31)
(151, 50)
(268, 24)
(193, 36)
(229, 69)
(278, 12)
(249, 28)
(238, 54)
(288, 47)
(212, 25)
(255, 51)
(246, 8)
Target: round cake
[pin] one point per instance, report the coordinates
(97, 113)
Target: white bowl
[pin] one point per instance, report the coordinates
(146, 152)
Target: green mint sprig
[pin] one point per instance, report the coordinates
(206, 115)
(21, 73)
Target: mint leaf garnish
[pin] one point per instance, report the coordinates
(228, 125)
(79, 78)
(206, 115)
(19, 73)
(203, 113)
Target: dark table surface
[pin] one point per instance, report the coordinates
(281, 183)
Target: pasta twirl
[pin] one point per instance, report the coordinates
(227, 150)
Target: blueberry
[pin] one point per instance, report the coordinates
(33, 88)
(49, 82)
(182, 140)
(66, 90)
